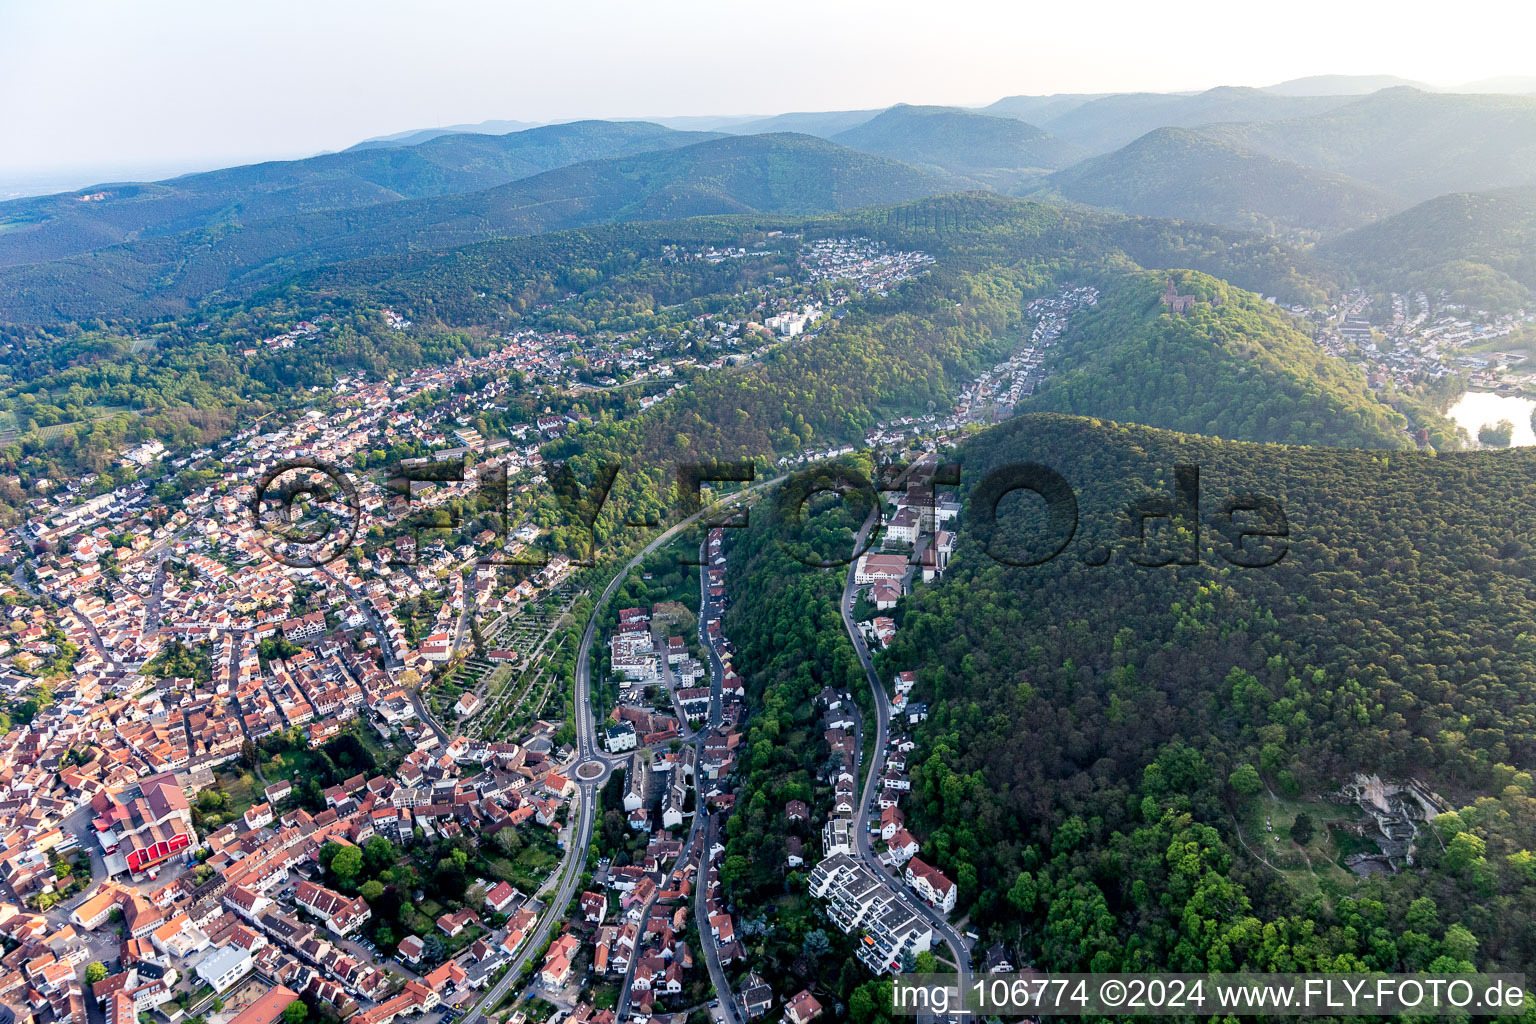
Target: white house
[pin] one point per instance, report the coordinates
(932, 885)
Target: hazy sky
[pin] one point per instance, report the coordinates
(89, 84)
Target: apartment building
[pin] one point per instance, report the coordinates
(857, 898)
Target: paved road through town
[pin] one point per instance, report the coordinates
(959, 948)
(575, 861)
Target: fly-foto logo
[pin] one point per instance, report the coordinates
(311, 512)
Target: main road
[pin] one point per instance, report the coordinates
(708, 610)
(580, 837)
(958, 947)
(700, 810)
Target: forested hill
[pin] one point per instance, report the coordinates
(972, 231)
(999, 151)
(1176, 172)
(1414, 144)
(1109, 122)
(885, 360)
(790, 174)
(1105, 739)
(1480, 246)
(1230, 366)
(51, 227)
(188, 379)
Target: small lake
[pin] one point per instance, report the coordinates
(1476, 409)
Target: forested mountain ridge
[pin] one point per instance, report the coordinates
(1109, 122)
(1309, 167)
(905, 353)
(823, 123)
(1340, 85)
(1104, 739)
(1480, 247)
(1038, 109)
(1414, 144)
(1185, 174)
(1230, 366)
(1000, 152)
(52, 227)
(499, 285)
(416, 136)
(738, 174)
(971, 231)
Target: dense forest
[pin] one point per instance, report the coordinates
(1175, 172)
(1230, 366)
(898, 356)
(52, 227)
(790, 643)
(1110, 742)
(1478, 246)
(78, 392)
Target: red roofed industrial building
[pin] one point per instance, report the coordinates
(141, 826)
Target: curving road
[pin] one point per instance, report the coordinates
(864, 849)
(580, 840)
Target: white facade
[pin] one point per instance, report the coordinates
(224, 966)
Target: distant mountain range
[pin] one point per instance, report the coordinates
(1342, 85)
(1480, 246)
(1360, 85)
(53, 227)
(1415, 144)
(416, 136)
(824, 124)
(1110, 122)
(1338, 168)
(794, 174)
(1306, 160)
(1187, 174)
(1039, 109)
(996, 151)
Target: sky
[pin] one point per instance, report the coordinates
(152, 87)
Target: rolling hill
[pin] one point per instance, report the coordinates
(822, 124)
(52, 227)
(1232, 366)
(1340, 85)
(792, 174)
(1415, 144)
(1480, 246)
(1107, 124)
(1039, 109)
(416, 136)
(996, 151)
(1109, 735)
(1177, 172)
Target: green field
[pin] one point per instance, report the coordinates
(1315, 867)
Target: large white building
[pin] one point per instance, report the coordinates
(224, 966)
(873, 568)
(633, 656)
(620, 737)
(856, 898)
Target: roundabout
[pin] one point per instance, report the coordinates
(594, 770)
